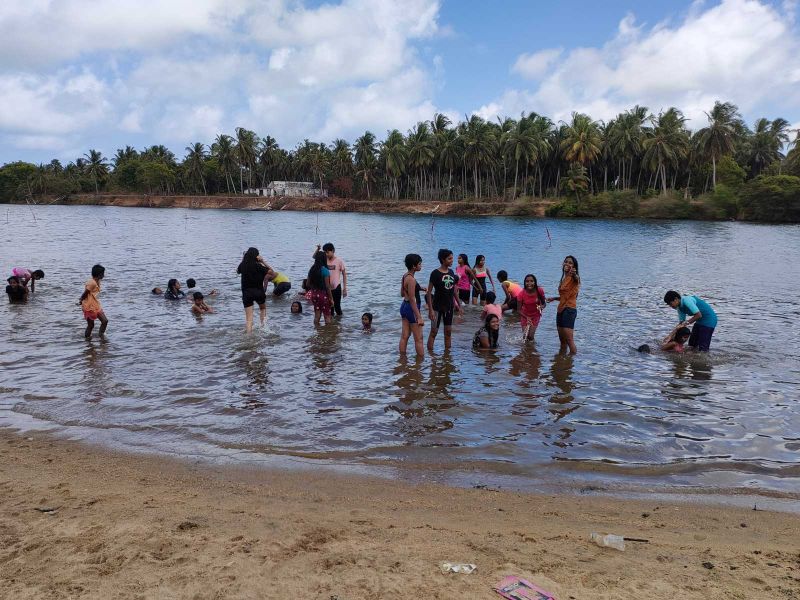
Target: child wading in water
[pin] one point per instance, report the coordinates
(466, 280)
(91, 305)
(410, 307)
(319, 281)
(490, 308)
(199, 307)
(482, 273)
(531, 303)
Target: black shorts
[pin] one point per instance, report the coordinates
(476, 293)
(281, 288)
(511, 303)
(463, 295)
(251, 295)
(566, 318)
(445, 316)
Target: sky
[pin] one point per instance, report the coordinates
(101, 74)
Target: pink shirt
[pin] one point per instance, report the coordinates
(23, 274)
(463, 280)
(336, 267)
(491, 309)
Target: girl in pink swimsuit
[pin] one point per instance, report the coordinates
(530, 304)
(466, 279)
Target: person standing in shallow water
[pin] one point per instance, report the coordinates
(567, 311)
(410, 307)
(253, 269)
(696, 312)
(338, 277)
(441, 299)
(90, 304)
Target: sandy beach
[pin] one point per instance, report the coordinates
(83, 522)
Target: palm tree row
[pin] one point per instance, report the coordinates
(438, 160)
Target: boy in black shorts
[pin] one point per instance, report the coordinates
(440, 307)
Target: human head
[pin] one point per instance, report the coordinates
(320, 259)
(644, 349)
(530, 277)
(682, 335)
(412, 261)
(329, 250)
(463, 259)
(98, 271)
(13, 280)
(366, 320)
(190, 283)
(172, 284)
(297, 308)
(574, 260)
(198, 297)
(38, 274)
(672, 298)
(251, 255)
(492, 323)
(156, 291)
(443, 256)
(502, 276)
(479, 260)
(490, 297)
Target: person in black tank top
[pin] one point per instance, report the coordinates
(253, 269)
(409, 308)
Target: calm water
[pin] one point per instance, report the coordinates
(165, 382)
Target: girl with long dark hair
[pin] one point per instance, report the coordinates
(253, 270)
(319, 282)
(567, 311)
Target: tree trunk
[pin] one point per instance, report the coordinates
(714, 170)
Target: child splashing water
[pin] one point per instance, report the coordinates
(531, 302)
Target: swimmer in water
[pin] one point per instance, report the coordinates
(366, 322)
(199, 307)
(174, 291)
(297, 308)
(487, 336)
(677, 339)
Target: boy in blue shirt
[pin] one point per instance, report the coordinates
(694, 311)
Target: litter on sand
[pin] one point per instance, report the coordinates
(465, 568)
(516, 588)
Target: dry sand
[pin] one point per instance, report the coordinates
(128, 526)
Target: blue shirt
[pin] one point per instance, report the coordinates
(691, 305)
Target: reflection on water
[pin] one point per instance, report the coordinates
(191, 385)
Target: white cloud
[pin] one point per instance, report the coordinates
(744, 51)
(533, 66)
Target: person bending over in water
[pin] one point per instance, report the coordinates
(199, 307)
(174, 290)
(487, 336)
(696, 312)
(511, 289)
(482, 273)
(319, 281)
(253, 269)
(466, 279)
(90, 303)
(191, 288)
(567, 311)
(410, 314)
(26, 275)
(441, 299)
(531, 303)
(676, 340)
(490, 308)
(15, 290)
(366, 322)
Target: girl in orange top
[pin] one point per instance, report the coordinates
(567, 298)
(91, 305)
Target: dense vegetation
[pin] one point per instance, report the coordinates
(637, 164)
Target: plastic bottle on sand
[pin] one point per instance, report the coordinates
(609, 541)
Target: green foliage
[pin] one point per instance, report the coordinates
(725, 201)
(772, 198)
(730, 173)
(618, 204)
(15, 180)
(672, 206)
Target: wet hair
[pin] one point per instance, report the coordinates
(304, 284)
(13, 279)
(412, 260)
(478, 259)
(328, 248)
(443, 254)
(644, 349)
(542, 299)
(369, 317)
(493, 335)
(190, 283)
(491, 297)
(38, 274)
(197, 295)
(98, 271)
(574, 262)
(315, 279)
(502, 276)
(682, 332)
(464, 258)
(299, 306)
(248, 260)
(156, 291)
(171, 284)
(670, 296)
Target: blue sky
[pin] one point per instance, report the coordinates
(77, 74)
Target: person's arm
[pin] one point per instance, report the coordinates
(344, 280)
(489, 275)
(429, 299)
(196, 310)
(688, 307)
(668, 346)
(483, 338)
(33, 284)
(474, 280)
(329, 288)
(671, 334)
(208, 308)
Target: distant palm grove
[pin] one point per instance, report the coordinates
(593, 167)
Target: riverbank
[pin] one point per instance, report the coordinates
(534, 208)
(81, 521)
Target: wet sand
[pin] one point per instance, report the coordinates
(128, 526)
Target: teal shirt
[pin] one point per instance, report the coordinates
(690, 305)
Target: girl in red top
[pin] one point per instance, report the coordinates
(530, 304)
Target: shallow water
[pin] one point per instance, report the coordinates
(164, 381)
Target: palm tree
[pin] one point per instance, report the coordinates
(245, 152)
(342, 159)
(365, 160)
(96, 166)
(394, 155)
(267, 151)
(195, 162)
(582, 141)
(420, 155)
(719, 138)
(666, 144)
(766, 144)
(124, 155)
(450, 153)
(480, 144)
(518, 144)
(222, 149)
(575, 180)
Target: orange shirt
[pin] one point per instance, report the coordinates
(91, 303)
(568, 293)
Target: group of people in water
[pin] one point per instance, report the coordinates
(446, 293)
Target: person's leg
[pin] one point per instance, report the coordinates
(89, 326)
(418, 345)
(448, 335)
(337, 300)
(317, 315)
(569, 337)
(248, 318)
(406, 333)
(103, 323)
(434, 330)
(262, 309)
(700, 339)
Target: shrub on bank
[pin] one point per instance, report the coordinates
(617, 204)
(771, 198)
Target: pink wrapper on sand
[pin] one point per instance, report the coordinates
(514, 588)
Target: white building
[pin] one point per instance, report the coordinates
(291, 189)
